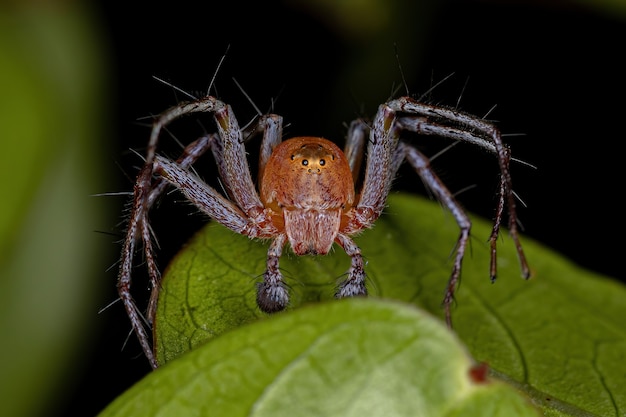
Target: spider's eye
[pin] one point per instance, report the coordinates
(305, 162)
(293, 157)
(322, 162)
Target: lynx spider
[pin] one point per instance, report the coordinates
(306, 193)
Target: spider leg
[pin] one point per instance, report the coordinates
(207, 199)
(232, 162)
(379, 168)
(445, 122)
(190, 154)
(386, 153)
(272, 295)
(206, 104)
(355, 145)
(134, 230)
(272, 126)
(354, 284)
(421, 164)
(145, 194)
(495, 231)
(138, 226)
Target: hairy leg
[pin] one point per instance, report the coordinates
(354, 284)
(272, 295)
(421, 164)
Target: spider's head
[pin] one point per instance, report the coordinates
(307, 173)
(312, 158)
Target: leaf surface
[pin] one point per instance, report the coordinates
(558, 337)
(345, 358)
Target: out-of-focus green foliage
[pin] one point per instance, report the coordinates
(51, 112)
(346, 358)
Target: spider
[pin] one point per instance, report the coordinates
(306, 196)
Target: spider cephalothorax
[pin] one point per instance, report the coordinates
(307, 185)
(306, 196)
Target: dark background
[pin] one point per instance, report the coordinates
(554, 71)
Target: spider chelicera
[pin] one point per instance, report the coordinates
(306, 194)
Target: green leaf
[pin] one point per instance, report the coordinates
(52, 122)
(345, 358)
(558, 337)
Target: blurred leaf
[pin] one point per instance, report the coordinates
(346, 358)
(50, 110)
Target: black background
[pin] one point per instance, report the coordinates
(555, 72)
